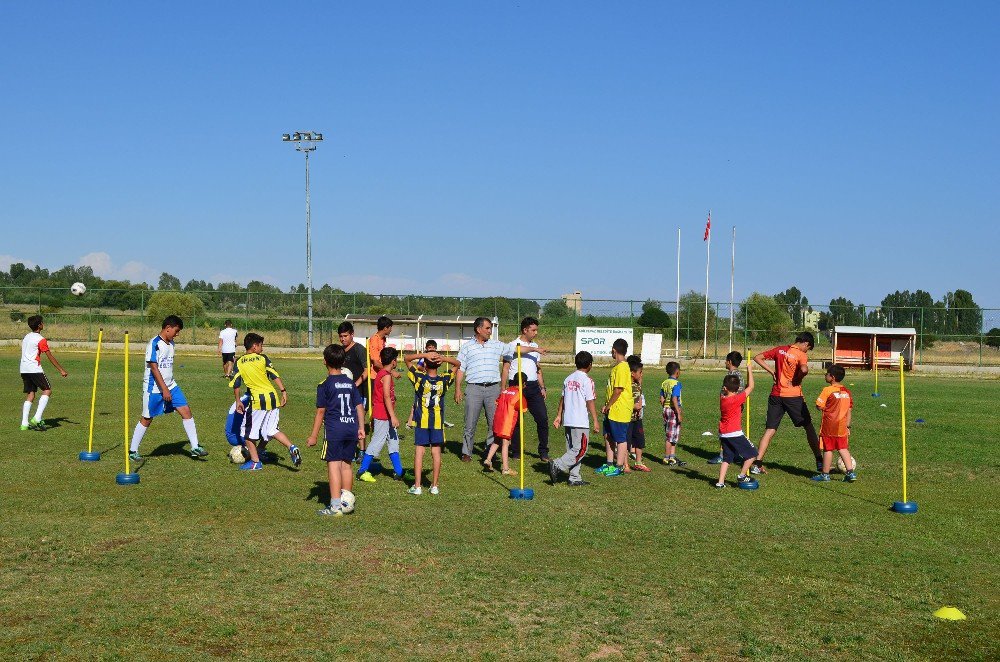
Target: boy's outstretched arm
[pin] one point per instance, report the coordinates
(759, 361)
(52, 360)
(317, 421)
(749, 389)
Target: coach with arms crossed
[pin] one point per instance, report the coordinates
(534, 384)
(479, 362)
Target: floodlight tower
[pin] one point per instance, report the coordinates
(305, 142)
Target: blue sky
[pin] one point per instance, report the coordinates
(854, 145)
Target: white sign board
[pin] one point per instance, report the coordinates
(652, 347)
(597, 340)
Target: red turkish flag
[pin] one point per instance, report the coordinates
(708, 227)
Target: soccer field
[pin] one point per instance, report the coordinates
(201, 560)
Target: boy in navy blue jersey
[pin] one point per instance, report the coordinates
(340, 409)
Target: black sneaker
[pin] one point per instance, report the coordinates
(553, 472)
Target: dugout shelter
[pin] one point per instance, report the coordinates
(863, 346)
(411, 332)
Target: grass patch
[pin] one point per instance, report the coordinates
(200, 561)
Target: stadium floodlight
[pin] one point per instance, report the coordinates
(305, 142)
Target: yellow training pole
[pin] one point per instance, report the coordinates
(127, 477)
(89, 455)
(368, 374)
(746, 406)
(905, 506)
(520, 414)
(902, 410)
(128, 467)
(875, 362)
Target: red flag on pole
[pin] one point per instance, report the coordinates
(708, 227)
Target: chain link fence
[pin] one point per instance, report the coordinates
(944, 335)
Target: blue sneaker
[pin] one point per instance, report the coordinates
(850, 477)
(603, 468)
(296, 456)
(715, 460)
(198, 452)
(251, 466)
(821, 478)
(613, 471)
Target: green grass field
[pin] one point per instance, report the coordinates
(202, 561)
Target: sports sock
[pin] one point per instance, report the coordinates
(25, 412)
(397, 464)
(42, 401)
(191, 432)
(137, 434)
(366, 462)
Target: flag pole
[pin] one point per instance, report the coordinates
(708, 260)
(732, 290)
(677, 326)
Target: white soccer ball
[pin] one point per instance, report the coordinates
(236, 455)
(843, 467)
(78, 289)
(347, 501)
(347, 371)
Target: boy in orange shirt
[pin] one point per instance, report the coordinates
(836, 404)
(791, 365)
(510, 405)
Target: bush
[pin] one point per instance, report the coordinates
(654, 317)
(16, 316)
(993, 337)
(185, 305)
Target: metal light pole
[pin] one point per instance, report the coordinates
(305, 142)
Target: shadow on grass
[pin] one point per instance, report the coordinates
(703, 453)
(694, 475)
(319, 491)
(880, 506)
(58, 422)
(789, 469)
(494, 477)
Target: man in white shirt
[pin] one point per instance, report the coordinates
(227, 348)
(534, 384)
(576, 403)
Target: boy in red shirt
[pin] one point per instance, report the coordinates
(836, 403)
(504, 420)
(791, 365)
(734, 442)
(385, 425)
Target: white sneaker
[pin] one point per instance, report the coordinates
(434, 489)
(415, 491)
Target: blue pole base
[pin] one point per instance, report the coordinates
(127, 479)
(876, 395)
(88, 456)
(527, 494)
(904, 507)
(752, 485)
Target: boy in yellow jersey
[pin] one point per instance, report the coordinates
(617, 412)
(428, 414)
(254, 372)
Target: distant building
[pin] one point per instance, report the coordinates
(574, 302)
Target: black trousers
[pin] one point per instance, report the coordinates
(536, 407)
